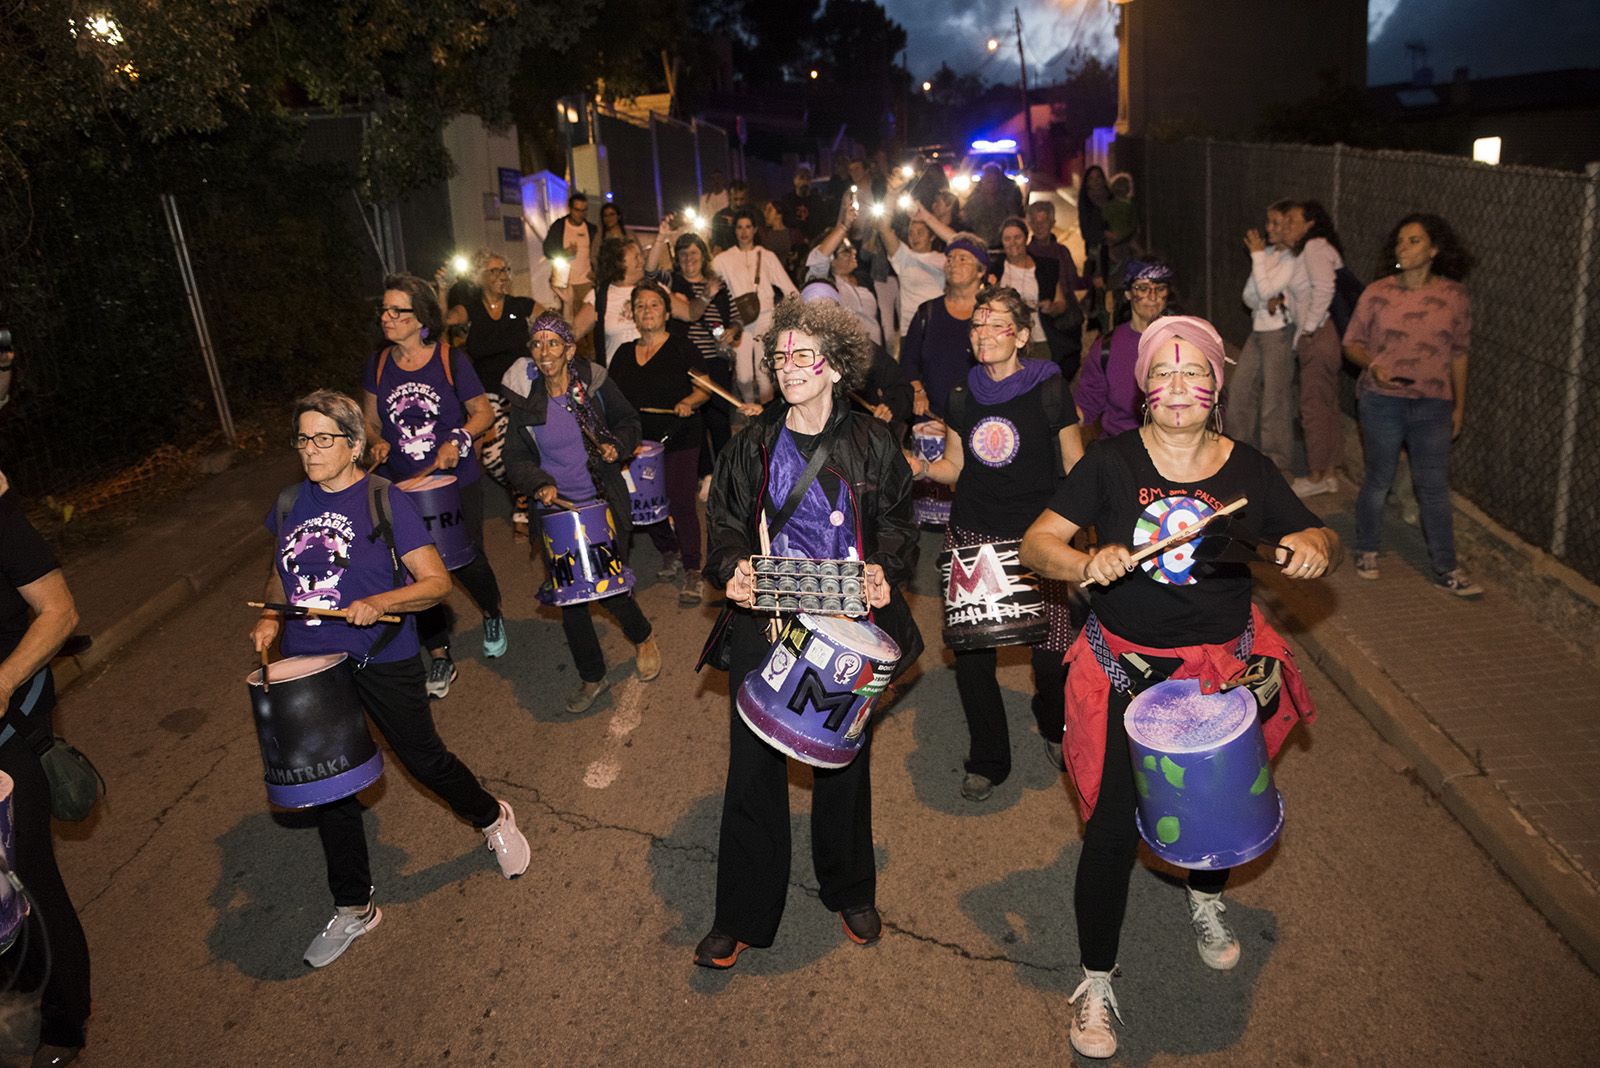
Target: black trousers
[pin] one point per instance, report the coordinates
(584, 643)
(989, 752)
(1110, 845)
(397, 700)
(477, 578)
(754, 843)
(64, 1001)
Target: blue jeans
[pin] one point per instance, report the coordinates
(1423, 427)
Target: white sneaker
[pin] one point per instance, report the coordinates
(1091, 1032)
(1305, 487)
(509, 845)
(1219, 947)
(349, 923)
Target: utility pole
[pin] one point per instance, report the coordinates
(1027, 112)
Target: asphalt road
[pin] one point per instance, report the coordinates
(1376, 932)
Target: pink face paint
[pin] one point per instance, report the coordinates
(1152, 396)
(1204, 396)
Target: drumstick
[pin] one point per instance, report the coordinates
(266, 685)
(859, 399)
(1183, 535)
(711, 387)
(658, 411)
(562, 502)
(320, 613)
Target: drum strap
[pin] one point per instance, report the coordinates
(1132, 673)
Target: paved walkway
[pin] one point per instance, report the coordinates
(1499, 712)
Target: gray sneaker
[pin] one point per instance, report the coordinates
(689, 593)
(507, 843)
(349, 923)
(671, 567)
(441, 673)
(1218, 945)
(1458, 583)
(975, 787)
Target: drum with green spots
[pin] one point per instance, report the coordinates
(1206, 798)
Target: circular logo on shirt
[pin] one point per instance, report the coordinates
(994, 441)
(1162, 519)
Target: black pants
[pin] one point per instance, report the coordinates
(1110, 844)
(989, 753)
(64, 1001)
(682, 535)
(584, 643)
(754, 845)
(395, 698)
(477, 578)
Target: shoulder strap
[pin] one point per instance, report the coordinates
(956, 409)
(383, 527)
(287, 497)
(1052, 396)
(383, 359)
(449, 360)
(819, 456)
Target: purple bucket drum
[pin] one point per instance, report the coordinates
(1206, 798)
(13, 906)
(812, 696)
(582, 561)
(990, 599)
(930, 501)
(646, 476)
(438, 501)
(315, 746)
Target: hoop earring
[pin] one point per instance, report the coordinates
(1214, 422)
(1144, 407)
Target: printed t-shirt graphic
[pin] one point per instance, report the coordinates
(1162, 518)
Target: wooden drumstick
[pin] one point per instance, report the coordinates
(562, 502)
(320, 613)
(266, 684)
(859, 399)
(1183, 535)
(711, 387)
(658, 411)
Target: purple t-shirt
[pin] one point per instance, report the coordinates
(1110, 395)
(561, 451)
(326, 558)
(419, 409)
(824, 524)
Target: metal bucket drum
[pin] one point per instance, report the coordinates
(13, 906)
(315, 746)
(930, 501)
(646, 476)
(990, 599)
(581, 557)
(1206, 798)
(812, 696)
(438, 500)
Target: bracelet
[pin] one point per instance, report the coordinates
(463, 440)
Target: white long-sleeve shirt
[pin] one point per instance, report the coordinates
(855, 299)
(1314, 271)
(1272, 272)
(921, 277)
(739, 269)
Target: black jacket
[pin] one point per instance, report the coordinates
(862, 453)
(528, 407)
(558, 229)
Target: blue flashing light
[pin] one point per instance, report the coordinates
(1005, 144)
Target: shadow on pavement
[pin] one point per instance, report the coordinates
(1171, 1002)
(273, 895)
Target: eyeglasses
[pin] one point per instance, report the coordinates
(1148, 289)
(798, 357)
(1190, 374)
(321, 441)
(547, 343)
(497, 270)
(389, 311)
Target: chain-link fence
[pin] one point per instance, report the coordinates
(1533, 399)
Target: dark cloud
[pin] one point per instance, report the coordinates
(1491, 37)
(954, 32)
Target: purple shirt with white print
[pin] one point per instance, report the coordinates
(419, 411)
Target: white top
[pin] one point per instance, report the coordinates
(1272, 273)
(921, 279)
(618, 326)
(1311, 287)
(857, 300)
(711, 203)
(1026, 282)
(738, 270)
(576, 236)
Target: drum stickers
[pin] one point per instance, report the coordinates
(1163, 518)
(990, 598)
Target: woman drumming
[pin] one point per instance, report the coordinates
(937, 351)
(423, 403)
(570, 425)
(1411, 332)
(1015, 417)
(1107, 392)
(1166, 617)
(497, 336)
(858, 506)
(1037, 282)
(329, 545)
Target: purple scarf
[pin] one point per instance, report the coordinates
(986, 390)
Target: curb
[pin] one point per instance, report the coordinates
(142, 619)
(1567, 896)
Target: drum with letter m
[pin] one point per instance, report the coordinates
(990, 598)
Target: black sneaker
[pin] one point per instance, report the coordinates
(441, 673)
(1458, 583)
(863, 924)
(719, 951)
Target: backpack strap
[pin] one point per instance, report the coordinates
(383, 360)
(449, 364)
(1052, 395)
(383, 527)
(956, 410)
(287, 498)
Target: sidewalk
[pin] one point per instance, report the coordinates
(1497, 713)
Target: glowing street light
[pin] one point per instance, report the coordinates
(993, 44)
(813, 74)
(927, 87)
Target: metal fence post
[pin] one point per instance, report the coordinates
(169, 208)
(655, 167)
(1209, 314)
(1338, 173)
(1580, 331)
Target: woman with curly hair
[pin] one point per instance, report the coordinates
(856, 505)
(1410, 335)
(607, 309)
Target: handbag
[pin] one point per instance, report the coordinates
(75, 783)
(747, 306)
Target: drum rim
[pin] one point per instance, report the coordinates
(812, 620)
(1238, 696)
(422, 483)
(254, 678)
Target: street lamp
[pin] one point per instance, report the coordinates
(993, 44)
(927, 87)
(813, 74)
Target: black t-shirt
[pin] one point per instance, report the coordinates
(1168, 601)
(662, 383)
(25, 558)
(1010, 468)
(495, 344)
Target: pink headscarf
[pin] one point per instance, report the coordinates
(1191, 328)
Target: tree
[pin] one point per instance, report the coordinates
(854, 44)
